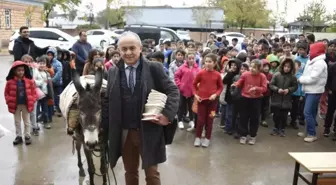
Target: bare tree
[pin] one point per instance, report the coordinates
(202, 16)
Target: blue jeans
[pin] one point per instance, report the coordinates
(310, 112)
(228, 119)
(42, 109)
(33, 117)
(57, 91)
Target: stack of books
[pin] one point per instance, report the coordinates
(155, 103)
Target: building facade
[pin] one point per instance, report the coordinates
(17, 13)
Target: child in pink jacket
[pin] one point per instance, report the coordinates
(184, 77)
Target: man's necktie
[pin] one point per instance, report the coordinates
(131, 78)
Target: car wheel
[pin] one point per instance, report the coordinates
(102, 43)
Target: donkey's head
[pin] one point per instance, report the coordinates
(89, 108)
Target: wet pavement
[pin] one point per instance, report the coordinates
(49, 160)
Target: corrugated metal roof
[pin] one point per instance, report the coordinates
(173, 17)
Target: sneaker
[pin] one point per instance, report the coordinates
(28, 140)
(264, 124)
(35, 132)
(310, 139)
(181, 125)
(301, 134)
(206, 143)
(17, 140)
(243, 140)
(222, 125)
(252, 141)
(275, 132)
(197, 142)
(326, 132)
(203, 133)
(47, 126)
(191, 124)
(282, 133)
(190, 129)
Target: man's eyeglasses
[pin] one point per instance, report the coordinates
(25, 32)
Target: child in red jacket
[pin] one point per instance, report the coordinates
(20, 95)
(253, 84)
(207, 93)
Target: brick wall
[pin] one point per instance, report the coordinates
(18, 19)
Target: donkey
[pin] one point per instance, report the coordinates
(87, 133)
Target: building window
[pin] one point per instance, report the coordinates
(8, 21)
(28, 22)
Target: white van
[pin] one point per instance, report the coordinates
(44, 37)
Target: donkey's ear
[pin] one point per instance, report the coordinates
(76, 81)
(98, 79)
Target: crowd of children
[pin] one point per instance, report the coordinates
(241, 83)
(245, 83)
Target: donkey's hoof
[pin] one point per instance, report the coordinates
(81, 173)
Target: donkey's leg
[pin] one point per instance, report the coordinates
(91, 167)
(79, 157)
(103, 163)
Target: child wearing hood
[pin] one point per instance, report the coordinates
(234, 69)
(184, 77)
(236, 99)
(57, 79)
(283, 84)
(313, 80)
(66, 73)
(265, 100)
(275, 62)
(20, 96)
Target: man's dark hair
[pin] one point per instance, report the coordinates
(311, 37)
(283, 39)
(301, 35)
(302, 45)
(158, 55)
(23, 28)
(276, 40)
(212, 56)
(264, 47)
(235, 39)
(81, 32)
(180, 51)
(292, 40)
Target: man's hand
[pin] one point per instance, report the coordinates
(161, 120)
(213, 97)
(280, 91)
(285, 91)
(198, 98)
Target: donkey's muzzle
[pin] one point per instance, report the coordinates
(91, 137)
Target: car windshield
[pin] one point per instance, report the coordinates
(183, 32)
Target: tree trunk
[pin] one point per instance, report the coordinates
(241, 25)
(47, 22)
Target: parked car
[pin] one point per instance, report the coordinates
(44, 37)
(153, 32)
(118, 31)
(101, 38)
(231, 35)
(184, 35)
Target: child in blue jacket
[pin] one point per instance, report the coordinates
(298, 100)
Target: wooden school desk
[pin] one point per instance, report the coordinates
(315, 162)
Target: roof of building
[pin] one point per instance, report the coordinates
(166, 16)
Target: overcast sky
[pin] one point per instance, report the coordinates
(293, 10)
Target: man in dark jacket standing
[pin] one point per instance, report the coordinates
(129, 84)
(82, 49)
(23, 45)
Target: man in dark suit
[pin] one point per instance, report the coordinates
(129, 83)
